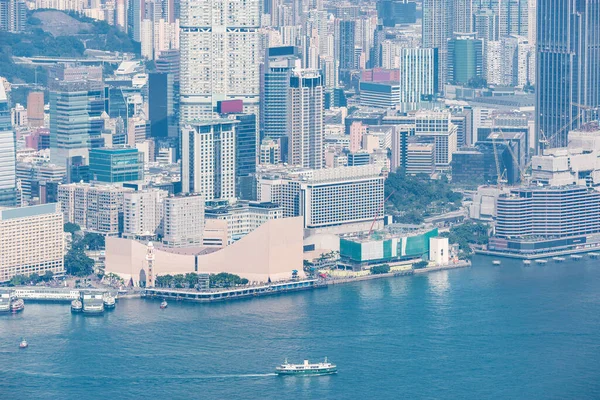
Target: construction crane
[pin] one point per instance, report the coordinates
(546, 140)
(379, 210)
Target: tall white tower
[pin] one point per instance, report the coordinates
(220, 56)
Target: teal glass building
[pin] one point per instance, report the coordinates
(116, 165)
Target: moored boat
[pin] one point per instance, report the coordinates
(17, 305)
(109, 302)
(93, 303)
(76, 306)
(163, 304)
(306, 368)
(4, 301)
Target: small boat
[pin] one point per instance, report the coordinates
(576, 257)
(163, 304)
(109, 302)
(306, 368)
(17, 305)
(76, 306)
(558, 259)
(23, 344)
(496, 262)
(526, 262)
(541, 262)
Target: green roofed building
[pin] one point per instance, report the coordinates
(361, 251)
(116, 165)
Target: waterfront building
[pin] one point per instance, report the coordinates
(359, 251)
(95, 208)
(536, 219)
(243, 217)
(568, 78)
(305, 123)
(143, 212)
(271, 252)
(116, 165)
(31, 241)
(336, 198)
(208, 158)
(220, 56)
(183, 223)
(8, 154)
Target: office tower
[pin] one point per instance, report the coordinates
(246, 146)
(161, 104)
(75, 121)
(396, 12)
(465, 59)
(208, 158)
(116, 165)
(13, 15)
(438, 19)
(305, 124)
(35, 109)
(344, 36)
(378, 38)
(135, 14)
(418, 76)
(568, 76)
(219, 44)
(32, 241)
(281, 61)
(8, 154)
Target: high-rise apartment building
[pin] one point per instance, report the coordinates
(438, 21)
(345, 39)
(8, 154)
(143, 212)
(568, 77)
(220, 56)
(13, 15)
(32, 241)
(208, 158)
(305, 124)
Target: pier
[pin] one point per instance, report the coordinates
(234, 293)
(32, 293)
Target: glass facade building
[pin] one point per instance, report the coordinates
(568, 73)
(116, 165)
(8, 154)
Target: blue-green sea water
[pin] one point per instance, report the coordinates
(485, 332)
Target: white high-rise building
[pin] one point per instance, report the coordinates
(418, 76)
(305, 123)
(143, 212)
(183, 221)
(220, 54)
(208, 158)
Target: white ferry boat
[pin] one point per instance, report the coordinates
(93, 303)
(4, 301)
(306, 368)
(76, 306)
(17, 305)
(109, 301)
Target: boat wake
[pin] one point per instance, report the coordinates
(164, 377)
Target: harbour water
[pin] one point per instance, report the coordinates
(509, 331)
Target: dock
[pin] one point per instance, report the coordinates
(33, 293)
(233, 293)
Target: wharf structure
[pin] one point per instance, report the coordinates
(546, 220)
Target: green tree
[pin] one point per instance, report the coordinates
(48, 276)
(380, 269)
(93, 241)
(77, 263)
(18, 280)
(420, 265)
(71, 228)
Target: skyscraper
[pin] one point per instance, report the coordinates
(568, 73)
(220, 57)
(418, 76)
(438, 21)
(465, 59)
(208, 158)
(161, 107)
(305, 122)
(13, 15)
(345, 41)
(75, 120)
(281, 61)
(8, 154)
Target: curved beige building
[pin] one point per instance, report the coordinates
(272, 251)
